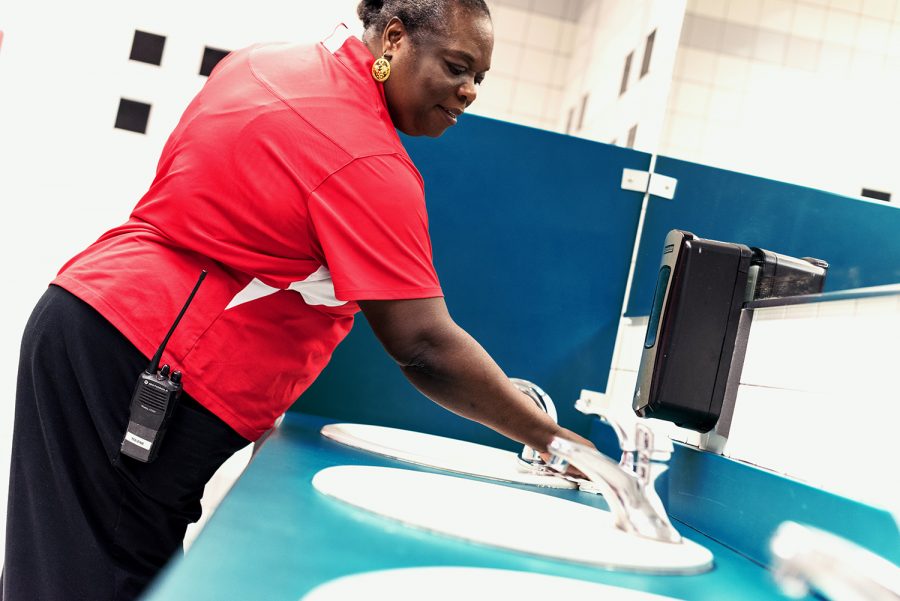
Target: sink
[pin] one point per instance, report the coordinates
(450, 583)
(508, 518)
(441, 453)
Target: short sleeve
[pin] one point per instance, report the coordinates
(371, 223)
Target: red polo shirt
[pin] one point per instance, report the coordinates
(285, 179)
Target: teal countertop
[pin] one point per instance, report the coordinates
(275, 537)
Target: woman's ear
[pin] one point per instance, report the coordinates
(394, 36)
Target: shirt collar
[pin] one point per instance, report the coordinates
(353, 54)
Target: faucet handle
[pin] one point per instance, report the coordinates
(599, 404)
(626, 442)
(633, 433)
(642, 446)
(650, 443)
(651, 458)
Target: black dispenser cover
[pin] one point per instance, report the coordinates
(691, 331)
(701, 288)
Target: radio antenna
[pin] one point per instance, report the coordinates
(154, 363)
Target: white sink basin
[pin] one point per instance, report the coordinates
(507, 518)
(454, 583)
(440, 453)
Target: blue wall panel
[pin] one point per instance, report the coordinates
(741, 505)
(859, 239)
(532, 239)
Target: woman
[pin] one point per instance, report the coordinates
(286, 181)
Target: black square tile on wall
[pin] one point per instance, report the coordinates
(147, 47)
(133, 115)
(211, 58)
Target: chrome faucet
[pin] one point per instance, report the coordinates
(808, 558)
(628, 487)
(529, 459)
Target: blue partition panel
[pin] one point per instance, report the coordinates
(741, 505)
(859, 239)
(532, 238)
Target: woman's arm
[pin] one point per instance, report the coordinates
(448, 366)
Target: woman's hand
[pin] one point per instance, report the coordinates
(571, 470)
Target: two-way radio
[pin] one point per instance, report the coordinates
(154, 400)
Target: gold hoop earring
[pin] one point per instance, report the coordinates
(381, 69)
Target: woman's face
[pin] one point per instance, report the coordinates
(434, 78)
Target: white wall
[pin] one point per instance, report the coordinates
(797, 90)
(551, 54)
(533, 48)
(607, 33)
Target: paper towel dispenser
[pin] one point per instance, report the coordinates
(690, 341)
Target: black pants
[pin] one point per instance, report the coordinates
(84, 522)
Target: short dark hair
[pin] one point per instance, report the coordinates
(418, 16)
